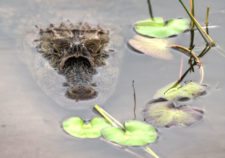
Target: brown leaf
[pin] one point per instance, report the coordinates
(158, 48)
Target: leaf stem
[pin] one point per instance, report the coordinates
(135, 101)
(150, 9)
(202, 74)
(151, 152)
(181, 66)
(207, 20)
(186, 51)
(205, 36)
(108, 117)
(205, 50)
(192, 32)
(116, 123)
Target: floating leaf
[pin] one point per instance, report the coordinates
(162, 112)
(158, 28)
(181, 92)
(76, 127)
(136, 133)
(158, 48)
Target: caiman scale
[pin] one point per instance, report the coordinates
(75, 51)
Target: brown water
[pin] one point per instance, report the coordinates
(30, 119)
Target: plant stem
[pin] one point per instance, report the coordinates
(181, 66)
(108, 117)
(192, 32)
(135, 102)
(181, 78)
(207, 20)
(202, 73)
(187, 52)
(150, 9)
(209, 43)
(205, 36)
(205, 50)
(150, 151)
(116, 123)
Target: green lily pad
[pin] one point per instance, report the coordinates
(76, 127)
(162, 112)
(136, 133)
(158, 48)
(158, 28)
(181, 92)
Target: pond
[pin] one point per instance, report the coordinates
(30, 119)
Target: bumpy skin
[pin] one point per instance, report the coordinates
(75, 51)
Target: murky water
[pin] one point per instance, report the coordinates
(30, 119)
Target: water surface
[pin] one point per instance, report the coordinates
(30, 119)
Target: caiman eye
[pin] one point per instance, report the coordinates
(61, 44)
(93, 45)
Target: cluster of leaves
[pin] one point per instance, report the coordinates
(161, 112)
(77, 127)
(153, 36)
(158, 28)
(187, 91)
(167, 108)
(134, 133)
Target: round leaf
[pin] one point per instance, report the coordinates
(76, 127)
(159, 29)
(181, 92)
(158, 48)
(165, 113)
(136, 133)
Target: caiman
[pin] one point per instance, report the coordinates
(75, 51)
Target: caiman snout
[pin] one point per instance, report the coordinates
(81, 92)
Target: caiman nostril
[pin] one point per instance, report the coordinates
(81, 92)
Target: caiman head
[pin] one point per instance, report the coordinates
(82, 55)
(75, 52)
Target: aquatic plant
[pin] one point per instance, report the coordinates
(186, 91)
(131, 133)
(135, 133)
(194, 59)
(158, 28)
(166, 109)
(162, 112)
(77, 127)
(122, 134)
(154, 47)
